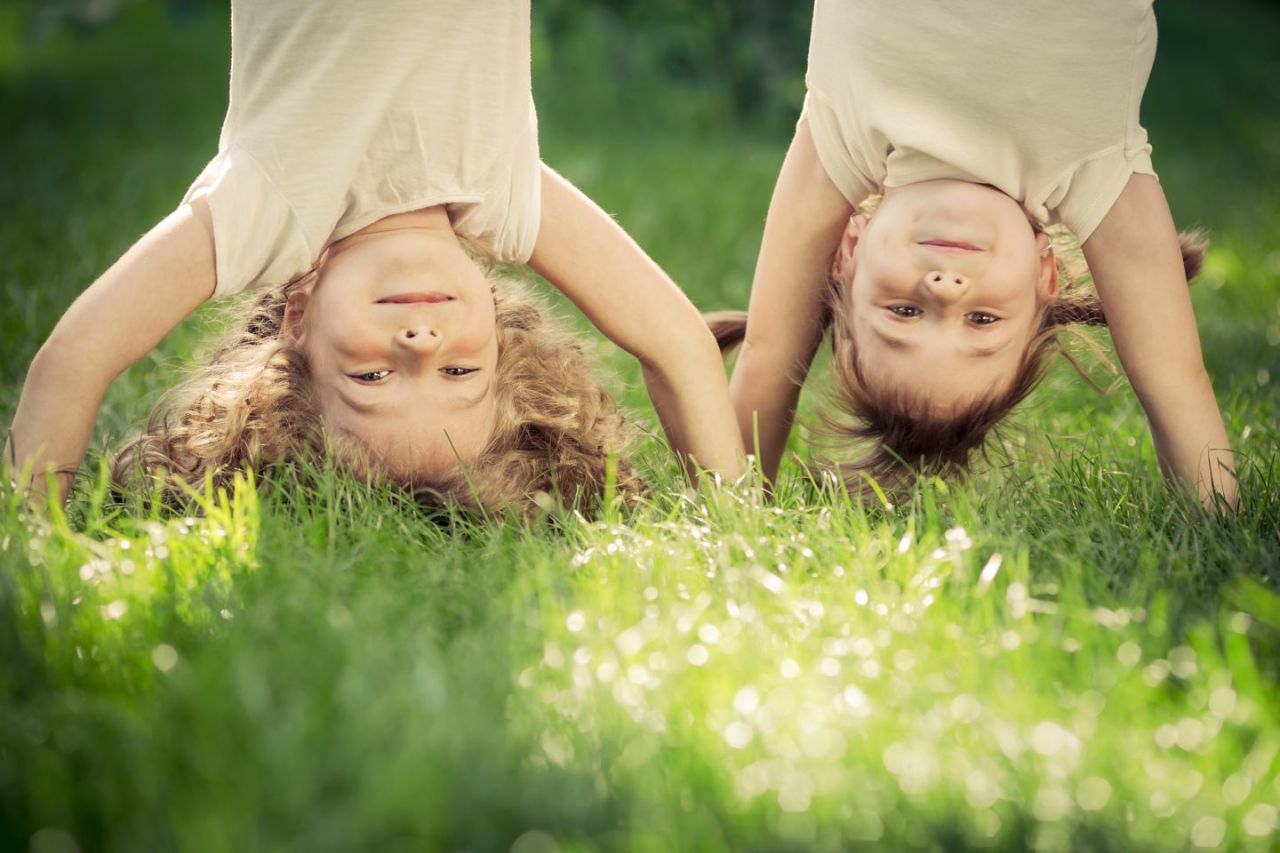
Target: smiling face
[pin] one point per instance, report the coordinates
(946, 285)
(400, 335)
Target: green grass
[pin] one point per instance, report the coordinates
(1058, 653)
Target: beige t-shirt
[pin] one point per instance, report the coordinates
(343, 112)
(1038, 98)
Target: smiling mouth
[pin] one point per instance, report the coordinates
(412, 298)
(951, 244)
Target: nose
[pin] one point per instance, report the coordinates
(945, 286)
(418, 339)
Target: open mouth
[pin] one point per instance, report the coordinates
(412, 298)
(951, 244)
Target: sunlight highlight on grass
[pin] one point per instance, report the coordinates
(126, 585)
(789, 661)
(1058, 653)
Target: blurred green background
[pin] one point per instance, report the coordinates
(1058, 654)
(672, 115)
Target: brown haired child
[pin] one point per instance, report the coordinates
(976, 124)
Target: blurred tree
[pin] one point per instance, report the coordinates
(739, 59)
(44, 18)
(688, 63)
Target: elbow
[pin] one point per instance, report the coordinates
(52, 367)
(65, 360)
(705, 344)
(702, 349)
(682, 347)
(728, 328)
(52, 357)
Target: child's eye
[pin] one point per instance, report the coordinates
(458, 371)
(905, 310)
(982, 318)
(372, 376)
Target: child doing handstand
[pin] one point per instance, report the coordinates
(369, 151)
(976, 124)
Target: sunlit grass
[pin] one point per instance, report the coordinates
(896, 683)
(717, 669)
(1059, 653)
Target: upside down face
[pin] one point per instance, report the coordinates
(944, 288)
(400, 334)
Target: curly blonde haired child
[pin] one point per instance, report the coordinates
(370, 151)
(975, 124)
(255, 404)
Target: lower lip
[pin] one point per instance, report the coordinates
(414, 298)
(950, 244)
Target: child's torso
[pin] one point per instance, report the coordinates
(346, 112)
(1017, 95)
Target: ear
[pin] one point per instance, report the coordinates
(1047, 280)
(292, 328)
(843, 263)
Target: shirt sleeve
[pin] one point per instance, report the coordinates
(505, 223)
(1092, 189)
(256, 237)
(829, 138)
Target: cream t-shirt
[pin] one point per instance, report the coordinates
(1038, 98)
(343, 112)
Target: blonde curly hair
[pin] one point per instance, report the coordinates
(253, 406)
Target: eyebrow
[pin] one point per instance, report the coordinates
(468, 401)
(974, 352)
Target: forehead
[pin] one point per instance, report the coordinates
(945, 376)
(419, 438)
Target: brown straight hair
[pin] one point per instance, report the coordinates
(906, 439)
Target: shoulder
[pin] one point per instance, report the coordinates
(257, 235)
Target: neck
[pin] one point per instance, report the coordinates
(432, 221)
(418, 239)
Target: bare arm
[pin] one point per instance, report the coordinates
(117, 320)
(1137, 266)
(788, 299)
(628, 297)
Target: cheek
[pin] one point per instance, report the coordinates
(481, 333)
(339, 298)
(1013, 286)
(343, 332)
(866, 289)
(890, 272)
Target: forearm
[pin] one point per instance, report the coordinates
(764, 399)
(1138, 270)
(693, 405)
(583, 252)
(788, 308)
(117, 320)
(1190, 439)
(54, 421)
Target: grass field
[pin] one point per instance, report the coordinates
(1056, 654)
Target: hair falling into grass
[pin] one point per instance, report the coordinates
(253, 406)
(382, 338)
(900, 436)
(909, 217)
